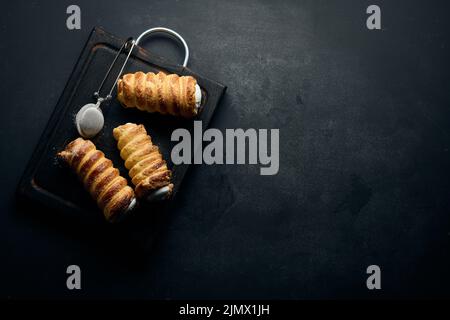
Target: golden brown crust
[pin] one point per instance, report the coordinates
(147, 168)
(99, 177)
(166, 94)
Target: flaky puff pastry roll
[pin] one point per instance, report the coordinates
(98, 175)
(166, 94)
(147, 168)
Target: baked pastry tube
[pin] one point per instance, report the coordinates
(104, 182)
(166, 94)
(147, 168)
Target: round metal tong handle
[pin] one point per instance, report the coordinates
(133, 44)
(169, 32)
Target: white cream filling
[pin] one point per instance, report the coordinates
(159, 194)
(198, 96)
(131, 205)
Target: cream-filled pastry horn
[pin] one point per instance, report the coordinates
(166, 94)
(148, 170)
(98, 175)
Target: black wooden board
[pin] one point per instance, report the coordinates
(47, 181)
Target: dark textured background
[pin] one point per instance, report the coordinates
(364, 153)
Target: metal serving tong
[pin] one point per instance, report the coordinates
(89, 119)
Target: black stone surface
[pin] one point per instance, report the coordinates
(364, 153)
